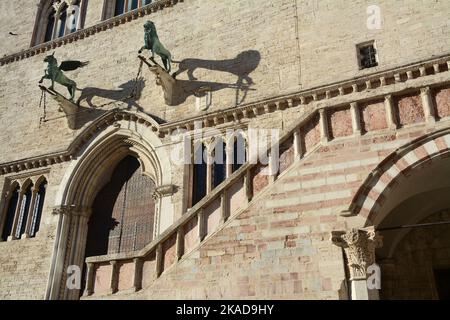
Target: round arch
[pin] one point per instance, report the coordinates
(405, 200)
(370, 201)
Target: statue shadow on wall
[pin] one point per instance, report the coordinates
(241, 66)
(125, 97)
(129, 93)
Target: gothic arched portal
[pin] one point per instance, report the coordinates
(123, 213)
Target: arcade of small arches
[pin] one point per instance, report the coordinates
(22, 208)
(213, 161)
(58, 18)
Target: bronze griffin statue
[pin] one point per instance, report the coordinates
(153, 44)
(55, 73)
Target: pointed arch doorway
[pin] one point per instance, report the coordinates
(123, 212)
(116, 162)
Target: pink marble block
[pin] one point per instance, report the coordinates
(260, 179)
(149, 270)
(169, 248)
(102, 281)
(311, 133)
(373, 116)
(443, 103)
(213, 214)
(286, 154)
(126, 276)
(236, 197)
(191, 238)
(340, 122)
(410, 109)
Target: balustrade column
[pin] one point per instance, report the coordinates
(114, 277)
(201, 223)
(225, 212)
(390, 112)
(180, 243)
(356, 118)
(159, 260)
(427, 103)
(90, 273)
(324, 132)
(298, 149)
(274, 162)
(248, 186)
(138, 273)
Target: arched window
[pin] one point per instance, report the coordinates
(239, 152)
(132, 4)
(123, 213)
(50, 26)
(220, 161)
(24, 212)
(37, 210)
(199, 189)
(62, 22)
(10, 213)
(57, 18)
(118, 7)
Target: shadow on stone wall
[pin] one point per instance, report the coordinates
(241, 66)
(130, 92)
(124, 98)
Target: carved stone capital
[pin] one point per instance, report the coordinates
(425, 91)
(359, 246)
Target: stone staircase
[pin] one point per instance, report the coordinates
(127, 273)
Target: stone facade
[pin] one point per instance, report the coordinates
(349, 139)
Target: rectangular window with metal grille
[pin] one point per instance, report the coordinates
(367, 55)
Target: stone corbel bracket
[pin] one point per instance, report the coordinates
(165, 191)
(163, 79)
(68, 107)
(71, 210)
